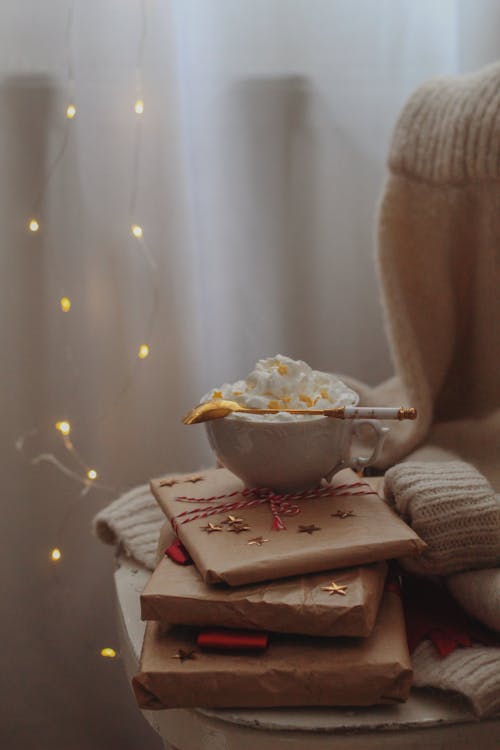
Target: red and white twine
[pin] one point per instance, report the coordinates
(279, 504)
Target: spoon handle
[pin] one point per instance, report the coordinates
(346, 412)
(372, 412)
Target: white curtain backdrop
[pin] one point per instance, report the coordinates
(264, 137)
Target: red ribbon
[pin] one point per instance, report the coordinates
(232, 640)
(279, 504)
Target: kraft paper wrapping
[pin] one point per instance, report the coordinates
(177, 594)
(375, 533)
(294, 671)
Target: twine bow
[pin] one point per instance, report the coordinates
(279, 504)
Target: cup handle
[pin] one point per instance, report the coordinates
(357, 463)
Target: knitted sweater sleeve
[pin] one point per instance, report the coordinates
(438, 263)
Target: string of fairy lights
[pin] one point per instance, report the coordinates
(82, 472)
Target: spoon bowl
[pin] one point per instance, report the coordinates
(210, 410)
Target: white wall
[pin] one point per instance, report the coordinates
(264, 139)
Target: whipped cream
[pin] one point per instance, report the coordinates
(281, 382)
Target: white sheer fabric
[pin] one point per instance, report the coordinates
(265, 131)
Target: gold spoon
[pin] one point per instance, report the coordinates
(222, 407)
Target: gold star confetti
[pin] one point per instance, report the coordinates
(169, 482)
(310, 529)
(237, 528)
(179, 480)
(183, 655)
(211, 527)
(343, 514)
(259, 541)
(334, 588)
(231, 520)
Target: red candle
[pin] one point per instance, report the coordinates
(233, 640)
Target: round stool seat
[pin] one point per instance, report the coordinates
(428, 720)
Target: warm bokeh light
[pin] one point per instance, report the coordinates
(65, 304)
(139, 107)
(92, 474)
(70, 111)
(143, 351)
(55, 554)
(108, 653)
(34, 225)
(63, 427)
(136, 231)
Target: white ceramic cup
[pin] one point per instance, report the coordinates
(289, 456)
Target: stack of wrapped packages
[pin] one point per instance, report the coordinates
(264, 600)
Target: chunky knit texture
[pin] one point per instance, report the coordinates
(472, 672)
(439, 268)
(448, 132)
(453, 509)
(478, 593)
(132, 523)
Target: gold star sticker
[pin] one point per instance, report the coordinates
(334, 588)
(183, 655)
(211, 527)
(179, 480)
(259, 541)
(230, 520)
(237, 528)
(169, 482)
(310, 529)
(343, 514)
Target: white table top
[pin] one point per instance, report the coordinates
(423, 709)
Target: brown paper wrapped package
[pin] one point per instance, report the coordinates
(374, 533)
(177, 594)
(294, 671)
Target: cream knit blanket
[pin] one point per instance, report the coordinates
(453, 508)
